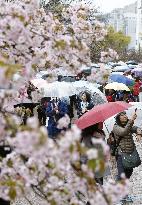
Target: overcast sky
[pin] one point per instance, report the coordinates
(109, 5)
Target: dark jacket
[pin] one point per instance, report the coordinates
(79, 109)
(54, 117)
(123, 135)
(87, 141)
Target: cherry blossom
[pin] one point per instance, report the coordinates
(30, 40)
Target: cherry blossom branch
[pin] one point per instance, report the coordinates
(39, 190)
(28, 200)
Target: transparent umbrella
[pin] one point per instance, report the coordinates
(85, 85)
(58, 89)
(98, 98)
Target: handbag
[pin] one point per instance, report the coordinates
(132, 160)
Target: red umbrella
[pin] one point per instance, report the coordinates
(100, 113)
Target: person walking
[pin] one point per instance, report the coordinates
(85, 104)
(41, 109)
(89, 133)
(110, 95)
(136, 89)
(55, 110)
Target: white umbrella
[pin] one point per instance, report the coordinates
(109, 123)
(116, 73)
(121, 68)
(58, 89)
(117, 86)
(82, 85)
(39, 82)
(138, 69)
(97, 96)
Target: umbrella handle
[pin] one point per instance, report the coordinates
(106, 127)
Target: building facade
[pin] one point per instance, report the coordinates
(125, 20)
(139, 26)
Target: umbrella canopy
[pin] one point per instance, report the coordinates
(117, 86)
(58, 89)
(68, 79)
(121, 68)
(82, 85)
(122, 79)
(97, 96)
(109, 123)
(114, 73)
(132, 66)
(26, 105)
(113, 65)
(100, 113)
(137, 71)
(39, 82)
(131, 63)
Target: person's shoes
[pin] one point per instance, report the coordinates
(128, 198)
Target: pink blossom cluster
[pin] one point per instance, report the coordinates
(108, 55)
(30, 40)
(100, 31)
(52, 168)
(99, 75)
(33, 39)
(63, 122)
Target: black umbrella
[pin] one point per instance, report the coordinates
(27, 105)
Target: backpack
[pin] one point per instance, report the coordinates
(113, 144)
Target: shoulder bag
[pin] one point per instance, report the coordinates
(132, 160)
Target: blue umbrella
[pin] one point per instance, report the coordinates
(122, 79)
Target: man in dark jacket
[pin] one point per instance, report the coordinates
(54, 111)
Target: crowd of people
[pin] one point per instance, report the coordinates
(51, 109)
(127, 96)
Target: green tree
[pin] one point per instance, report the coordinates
(117, 40)
(114, 40)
